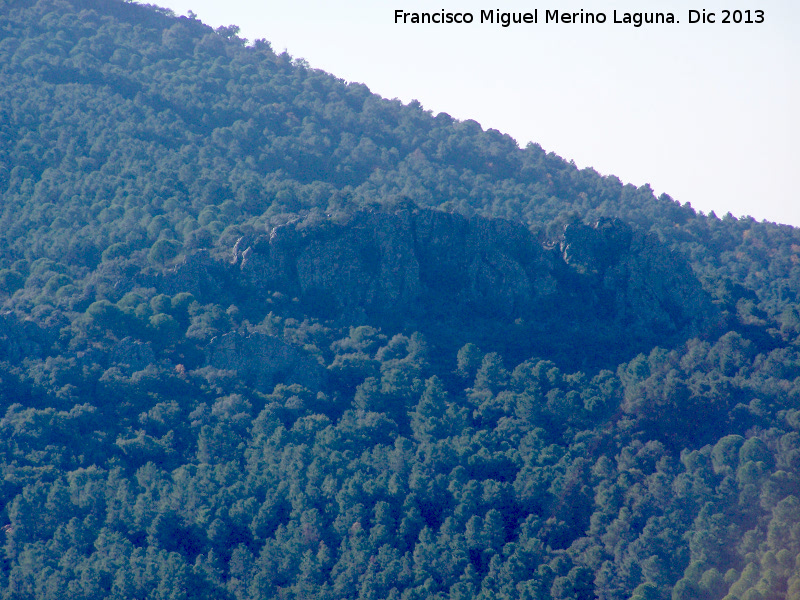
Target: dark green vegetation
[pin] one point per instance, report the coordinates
(241, 357)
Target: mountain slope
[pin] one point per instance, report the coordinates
(138, 125)
(267, 335)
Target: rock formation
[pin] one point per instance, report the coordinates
(606, 292)
(636, 282)
(479, 278)
(409, 262)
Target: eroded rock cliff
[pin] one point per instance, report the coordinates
(400, 264)
(607, 288)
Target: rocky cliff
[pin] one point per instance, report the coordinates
(636, 282)
(487, 280)
(401, 264)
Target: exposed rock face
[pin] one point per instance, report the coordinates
(637, 282)
(494, 267)
(403, 263)
(482, 279)
(263, 360)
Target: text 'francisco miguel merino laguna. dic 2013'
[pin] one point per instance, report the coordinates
(505, 19)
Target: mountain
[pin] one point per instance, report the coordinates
(265, 334)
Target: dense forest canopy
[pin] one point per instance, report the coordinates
(265, 334)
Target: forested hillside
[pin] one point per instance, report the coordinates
(265, 334)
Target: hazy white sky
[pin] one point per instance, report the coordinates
(707, 113)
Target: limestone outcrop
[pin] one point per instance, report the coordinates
(477, 278)
(405, 262)
(636, 282)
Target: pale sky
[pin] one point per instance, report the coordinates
(707, 113)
